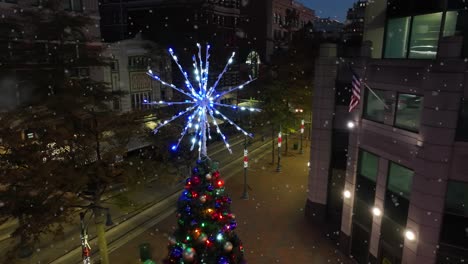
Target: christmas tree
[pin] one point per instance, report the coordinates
(206, 225)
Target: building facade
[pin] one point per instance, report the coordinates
(354, 26)
(180, 24)
(269, 23)
(127, 75)
(329, 29)
(401, 196)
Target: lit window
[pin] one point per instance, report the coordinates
(374, 109)
(408, 112)
(425, 36)
(396, 43)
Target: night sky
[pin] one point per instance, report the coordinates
(329, 8)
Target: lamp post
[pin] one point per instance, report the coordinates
(302, 134)
(280, 139)
(245, 196)
(85, 247)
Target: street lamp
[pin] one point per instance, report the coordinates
(409, 234)
(376, 211)
(280, 139)
(347, 194)
(85, 247)
(245, 196)
(351, 124)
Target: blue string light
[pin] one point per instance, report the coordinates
(202, 100)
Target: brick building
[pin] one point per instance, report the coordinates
(394, 188)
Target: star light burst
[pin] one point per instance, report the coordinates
(202, 103)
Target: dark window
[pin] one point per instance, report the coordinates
(116, 103)
(138, 62)
(363, 202)
(374, 109)
(114, 66)
(408, 112)
(408, 7)
(73, 5)
(396, 207)
(456, 24)
(457, 4)
(454, 234)
(365, 188)
(462, 127)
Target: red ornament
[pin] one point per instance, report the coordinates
(195, 180)
(220, 183)
(194, 194)
(216, 174)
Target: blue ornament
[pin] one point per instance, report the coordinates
(176, 252)
(223, 260)
(210, 187)
(233, 224)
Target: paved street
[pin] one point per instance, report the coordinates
(271, 223)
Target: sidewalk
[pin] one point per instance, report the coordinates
(271, 223)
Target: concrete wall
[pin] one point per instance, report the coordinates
(322, 123)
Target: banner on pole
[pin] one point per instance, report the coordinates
(246, 158)
(280, 139)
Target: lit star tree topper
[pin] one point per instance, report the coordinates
(202, 102)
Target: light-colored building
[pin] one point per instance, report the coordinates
(131, 59)
(402, 195)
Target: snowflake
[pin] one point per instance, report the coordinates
(202, 102)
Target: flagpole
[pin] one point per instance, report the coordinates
(378, 98)
(367, 86)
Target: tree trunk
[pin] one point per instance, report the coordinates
(25, 248)
(101, 234)
(286, 145)
(96, 135)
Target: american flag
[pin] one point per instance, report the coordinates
(355, 92)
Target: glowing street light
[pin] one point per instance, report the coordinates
(409, 234)
(376, 211)
(347, 194)
(351, 124)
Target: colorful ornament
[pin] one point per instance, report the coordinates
(189, 255)
(203, 198)
(202, 238)
(227, 246)
(172, 240)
